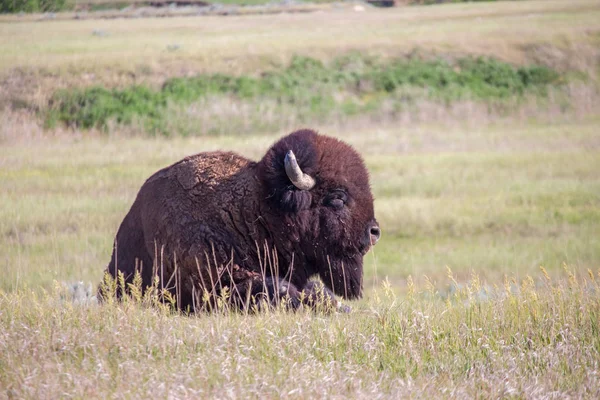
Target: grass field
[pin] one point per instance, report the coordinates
(494, 200)
(541, 343)
(471, 204)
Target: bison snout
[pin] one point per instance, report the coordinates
(374, 234)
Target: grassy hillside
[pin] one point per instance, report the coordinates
(215, 75)
(307, 90)
(155, 48)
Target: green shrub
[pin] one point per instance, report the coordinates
(15, 6)
(350, 85)
(478, 77)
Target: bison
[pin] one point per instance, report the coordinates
(217, 221)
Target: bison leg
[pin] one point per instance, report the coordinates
(271, 291)
(319, 297)
(129, 255)
(277, 291)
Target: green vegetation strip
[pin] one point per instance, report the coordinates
(349, 85)
(33, 6)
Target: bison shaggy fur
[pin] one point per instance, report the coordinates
(218, 220)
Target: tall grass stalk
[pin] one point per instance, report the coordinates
(530, 337)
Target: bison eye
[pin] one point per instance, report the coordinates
(337, 204)
(336, 200)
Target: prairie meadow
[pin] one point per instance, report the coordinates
(479, 124)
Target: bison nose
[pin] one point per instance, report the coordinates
(374, 233)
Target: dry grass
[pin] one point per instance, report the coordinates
(520, 340)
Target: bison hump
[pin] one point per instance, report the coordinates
(209, 169)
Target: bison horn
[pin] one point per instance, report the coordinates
(292, 169)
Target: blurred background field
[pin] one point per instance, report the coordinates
(479, 123)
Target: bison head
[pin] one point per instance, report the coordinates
(318, 192)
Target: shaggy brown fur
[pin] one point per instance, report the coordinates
(220, 220)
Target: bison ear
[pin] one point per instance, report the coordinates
(288, 171)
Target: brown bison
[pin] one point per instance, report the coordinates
(218, 220)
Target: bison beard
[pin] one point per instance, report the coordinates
(260, 229)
